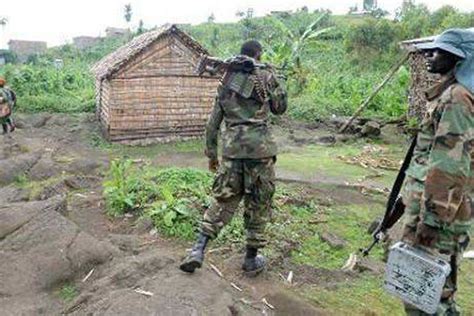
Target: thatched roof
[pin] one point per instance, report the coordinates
(410, 44)
(115, 60)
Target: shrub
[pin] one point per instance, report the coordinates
(378, 35)
(173, 198)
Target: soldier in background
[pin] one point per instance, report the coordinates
(7, 101)
(244, 101)
(439, 179)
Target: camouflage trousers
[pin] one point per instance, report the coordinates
(452, 241)
(6, 120)
(251, 180)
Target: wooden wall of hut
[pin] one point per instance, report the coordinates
(156, 96)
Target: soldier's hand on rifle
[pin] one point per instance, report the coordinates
(213, 165)
(426, 235)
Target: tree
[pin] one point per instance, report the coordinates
(128, 12)
(414, 20)
(215, 37)
(370, 5)
(141, 28)
(250, 28)
(211, 18)
(240, 14)
(353, 9)
(3, 21)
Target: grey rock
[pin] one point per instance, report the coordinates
(332, 240)
(370, 129)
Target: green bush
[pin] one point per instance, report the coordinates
(378, 35)
(42, 87)
(173, 198)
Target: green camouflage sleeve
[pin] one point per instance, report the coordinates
(449, 165)
(277, 94)
(3, 96)
(212, 130)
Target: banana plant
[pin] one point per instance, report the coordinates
(289, 51)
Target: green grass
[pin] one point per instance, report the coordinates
(21, 180)
(317, 161)
(362, 296)
(36, 187)
(68, 292)
(465, 295)
(348, 222)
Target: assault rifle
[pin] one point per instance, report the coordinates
(213, 65)
(395, 207)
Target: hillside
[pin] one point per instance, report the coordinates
(330, 71)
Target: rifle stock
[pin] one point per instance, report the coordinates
(387, 223)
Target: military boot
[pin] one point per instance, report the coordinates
(195, 258)
(5, 128)
(253, 263)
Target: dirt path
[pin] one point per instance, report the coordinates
(60, 253)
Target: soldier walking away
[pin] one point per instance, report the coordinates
(244, 101)
(439, 179)
(7, 101)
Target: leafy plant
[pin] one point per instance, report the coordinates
(173, 198)
(289, 52)
(68, 292)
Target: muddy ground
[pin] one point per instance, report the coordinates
(61, 254)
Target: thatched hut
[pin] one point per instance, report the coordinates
(147, 90)
(421, 79)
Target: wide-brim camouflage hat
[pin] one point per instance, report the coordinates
(454, 41)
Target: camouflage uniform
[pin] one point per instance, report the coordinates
(6, 96)
(249, 152)
(436, 191)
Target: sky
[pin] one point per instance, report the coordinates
(58, 21)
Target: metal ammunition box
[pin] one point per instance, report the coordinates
(415, 276)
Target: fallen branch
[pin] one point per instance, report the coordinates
(146, 293)
(248, 303)
(88, 276)
(375, 92)
(236, 287)
(221, 249)
(264, 301)
(217, 271)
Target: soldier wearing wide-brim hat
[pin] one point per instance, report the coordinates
(439, 179)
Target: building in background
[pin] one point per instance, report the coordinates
(24, 49)
(84, 42)
(116, 32)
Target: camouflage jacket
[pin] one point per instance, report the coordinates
(245, 107)
(7, 96)
(442, 160)
(7, 99)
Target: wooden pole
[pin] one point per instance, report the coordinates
(376, 90)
